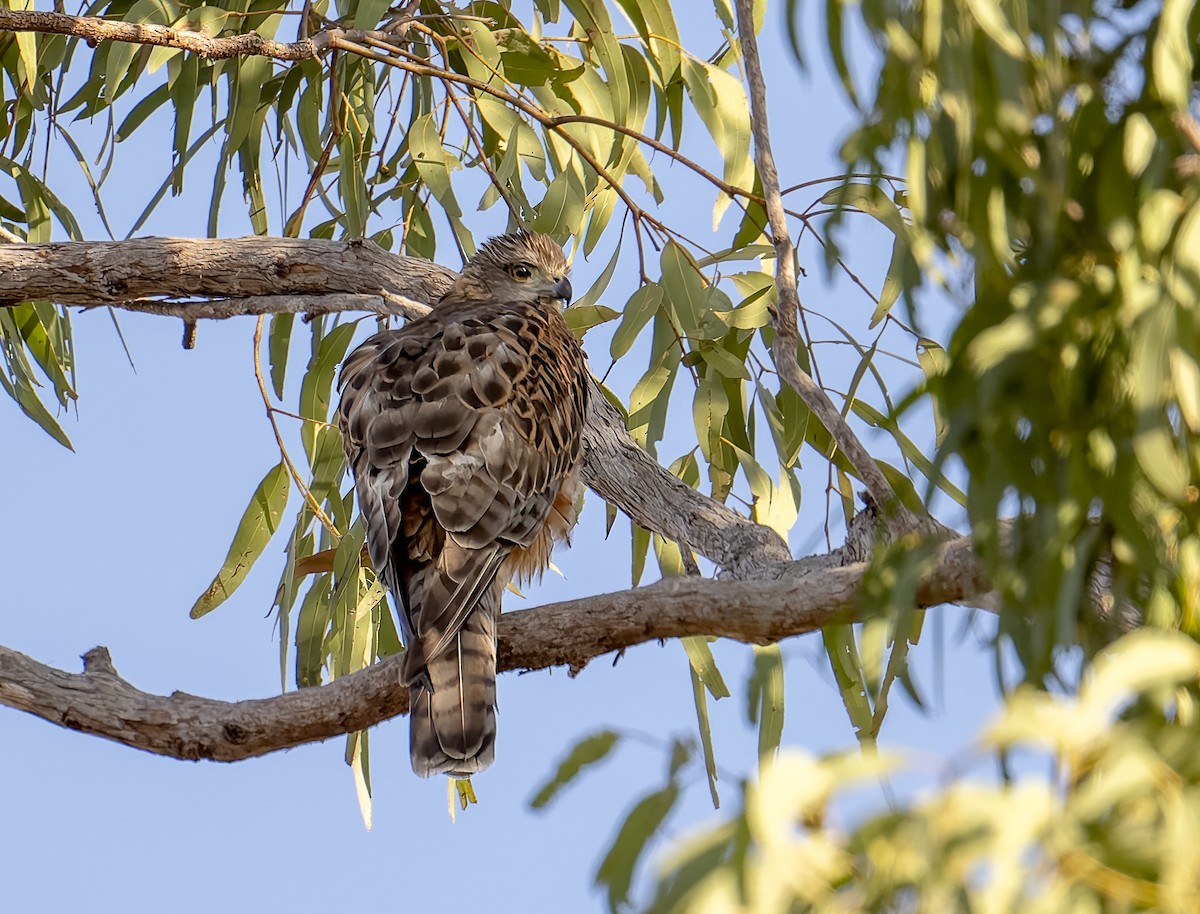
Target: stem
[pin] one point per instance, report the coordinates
(787, 336)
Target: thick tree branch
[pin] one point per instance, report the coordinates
(126, 274)
(193, 279)
(570, 634)
(787, 335)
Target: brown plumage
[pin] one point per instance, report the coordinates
(463, 431)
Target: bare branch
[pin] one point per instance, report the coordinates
(129, 273)
(787, 334)
(623, 474)
(570, 634)
(94, 30)
(222, 308)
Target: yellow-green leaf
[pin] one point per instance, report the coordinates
(587, 751)
(258, 525)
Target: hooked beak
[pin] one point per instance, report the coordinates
(562, 289)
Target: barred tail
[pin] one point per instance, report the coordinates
(453, 719)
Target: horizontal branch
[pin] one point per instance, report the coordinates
(570, 634)
(261, 275)
(127, 274)
(94, 30)
(222, 308)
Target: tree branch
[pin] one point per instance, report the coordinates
(570, 634)
(787, 335)
(126, 274)
(363, 42)
(259, 275)
(94, 30)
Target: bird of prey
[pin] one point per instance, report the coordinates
(463, 432)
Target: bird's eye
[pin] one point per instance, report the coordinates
(521, 272)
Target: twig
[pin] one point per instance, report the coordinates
(787, 337)
(94, 30)
(262, 388)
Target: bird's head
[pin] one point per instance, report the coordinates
(521, 266)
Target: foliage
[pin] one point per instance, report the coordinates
(1049, 192)
(1113, 828)
(1042, 164)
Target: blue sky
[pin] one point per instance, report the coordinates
(112, 544)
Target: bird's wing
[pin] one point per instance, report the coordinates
(459, 430)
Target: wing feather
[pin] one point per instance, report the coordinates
(460, 430)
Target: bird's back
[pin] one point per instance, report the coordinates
(462, 430)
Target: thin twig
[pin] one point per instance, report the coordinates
(300, 485)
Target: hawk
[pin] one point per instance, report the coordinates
(463, 432)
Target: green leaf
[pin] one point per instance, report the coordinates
(720, 100)
(299, 546)
(902, 274)
(588, 751)
(642, 305)
(724, 362)
(914, 454)
(27, 50)
(358, 758)
(695, 863)
(149, 103)
(279, 338)
(617, 868)
(245, 90)
(27, 399)
(640, 538)
(869, 199)
(685, 292)
(592, 296)
(1140, 662)
(751, 314)
(765, 696)
(848, 670)
(41, 327)
(560, 212)
(352, 188)
(592, 16)
(1171, 55)
(582, 318)
(934, 363)
(704, 665)
(316, 388)
(990, 16)
(311, 625)
(788, 429)
(434, 163)
(369, 13)
(257, 526)
(700, 697)
(655, 24)
(523, 60)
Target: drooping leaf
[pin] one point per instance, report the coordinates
(588, 751)
(700, 698)
(765, 700)
(645, 818)
(258, 524)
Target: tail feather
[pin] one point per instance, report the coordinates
(452, 723)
